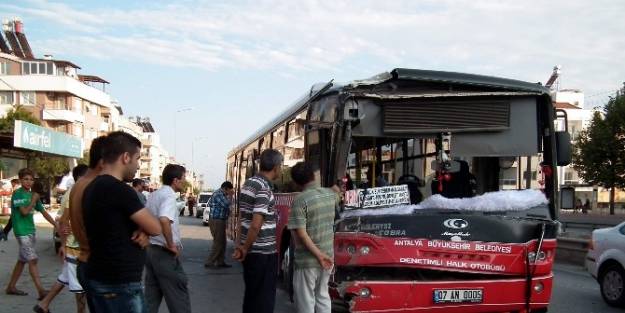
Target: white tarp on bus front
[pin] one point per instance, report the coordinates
(507, 200)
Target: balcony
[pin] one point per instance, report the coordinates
(146, 142)
(145, 172)
(146, 157)
(63, 115)
(51, 83)
(104, 127)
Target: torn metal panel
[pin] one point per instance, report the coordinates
(395, 96)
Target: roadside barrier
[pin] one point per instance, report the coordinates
(572, 250)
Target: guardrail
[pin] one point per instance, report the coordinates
(584, 225)
(572, 250)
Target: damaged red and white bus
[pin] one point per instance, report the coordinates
(431, 219)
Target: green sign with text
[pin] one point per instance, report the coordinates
(33, 137)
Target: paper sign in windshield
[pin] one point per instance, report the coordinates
(377, 197)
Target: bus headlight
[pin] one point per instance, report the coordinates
(542, 256)
(364, 292)
(351, 249)
(364, 250)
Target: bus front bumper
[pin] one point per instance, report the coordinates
(502, 295)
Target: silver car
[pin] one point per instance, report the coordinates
(606, 262)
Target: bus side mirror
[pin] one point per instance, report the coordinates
(567, 198)
(563, 148)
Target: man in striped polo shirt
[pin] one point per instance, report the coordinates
(311, 222)
(257, 248)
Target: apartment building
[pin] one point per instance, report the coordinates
(154, 157)
(52, 90)
(64, 100)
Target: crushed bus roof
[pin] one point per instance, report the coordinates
(443, 77)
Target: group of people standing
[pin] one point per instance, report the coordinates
(311, 222)
(110, 237)
(121, 254)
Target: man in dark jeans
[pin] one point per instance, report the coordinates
(164, 275)
(257, 249)
(219, 213)
(112, 214)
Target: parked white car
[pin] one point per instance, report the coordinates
(180, 204)
(606, 262)
(202, 205)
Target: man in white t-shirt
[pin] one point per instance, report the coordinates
(164, 275)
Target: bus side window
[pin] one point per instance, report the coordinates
(316, 152)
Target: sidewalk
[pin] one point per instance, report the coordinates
(49, 268)
(593, 218)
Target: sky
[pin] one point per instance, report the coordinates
(237, 64)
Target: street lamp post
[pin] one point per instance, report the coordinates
(175, 129)
(192, 150)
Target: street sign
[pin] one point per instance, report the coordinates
(33, 137)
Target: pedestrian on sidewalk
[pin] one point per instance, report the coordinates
(23, 204)
(164, 275)
(139, 186)
(257, 249)
(4, 233)
(311, 222)
(219, 212)
(112, 216)
(190, 203)
(69, 252)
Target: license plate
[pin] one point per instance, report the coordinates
(458, 295)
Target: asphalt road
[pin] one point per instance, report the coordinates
(575, 291)
(221, 290)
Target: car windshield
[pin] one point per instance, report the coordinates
(204, 198)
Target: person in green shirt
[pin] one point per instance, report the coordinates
(23, 204)
(311, 221)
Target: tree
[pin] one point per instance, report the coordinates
(44, 167)
(599, 155)
(18, 113)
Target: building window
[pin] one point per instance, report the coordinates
(43, 68)
(4, 68)
(28, 98)
(6, 97)
(77, 106)
(77, 130)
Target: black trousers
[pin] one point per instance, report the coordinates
(260, 273)
(81, 274)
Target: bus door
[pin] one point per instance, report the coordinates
(317, 152)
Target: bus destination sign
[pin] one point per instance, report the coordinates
(377, 197)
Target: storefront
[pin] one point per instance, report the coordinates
(29, 141)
